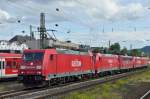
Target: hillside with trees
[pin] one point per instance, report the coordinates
(116, 49)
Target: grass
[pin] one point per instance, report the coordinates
(110, 90)
(2, 88)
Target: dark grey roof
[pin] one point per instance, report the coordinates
(20, 38)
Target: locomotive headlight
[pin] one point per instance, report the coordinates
(22, 72)
(39, 72)
(22, 67)
(38, 67)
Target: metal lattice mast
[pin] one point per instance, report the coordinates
(42, 30)
(31, 33)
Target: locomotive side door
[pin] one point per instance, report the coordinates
(53, 60)
(2, 67)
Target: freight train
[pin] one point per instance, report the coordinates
(9, 65)
(52, 66)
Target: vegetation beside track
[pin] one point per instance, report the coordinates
(10, 85)
(119, 89)
(2, 88)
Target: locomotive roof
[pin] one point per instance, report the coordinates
(35, 50)
(126, 56)
(10, 55)
(63, 51)
(68, 51)
(108, 55)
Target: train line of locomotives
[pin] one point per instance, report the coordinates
(9, 65)
(55, 66)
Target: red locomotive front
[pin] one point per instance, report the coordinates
(31, 67)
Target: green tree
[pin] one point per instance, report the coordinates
(106, 51)
(136, 52)
(98, 50)
(115, 48)
(124, 51)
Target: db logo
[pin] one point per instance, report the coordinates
(76, 63)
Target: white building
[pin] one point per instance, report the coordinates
(7, 46)
(35, 44)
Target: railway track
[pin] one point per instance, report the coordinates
(57, 91)
(13, 93)
(10, 94)
(10, 87)
(8, 82)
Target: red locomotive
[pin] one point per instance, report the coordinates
(126, 62)
(106, 63)
(9, 65)
(55, 65)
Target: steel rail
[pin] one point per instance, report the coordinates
(145, 95)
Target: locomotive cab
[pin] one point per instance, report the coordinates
(2, 68)
(32, 70)
(31, 67)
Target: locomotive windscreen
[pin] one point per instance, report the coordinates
(33, 56)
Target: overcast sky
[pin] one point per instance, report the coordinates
(92, 22)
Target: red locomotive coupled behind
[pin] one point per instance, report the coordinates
(105, 63)
(9, 65)
(49, 66)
